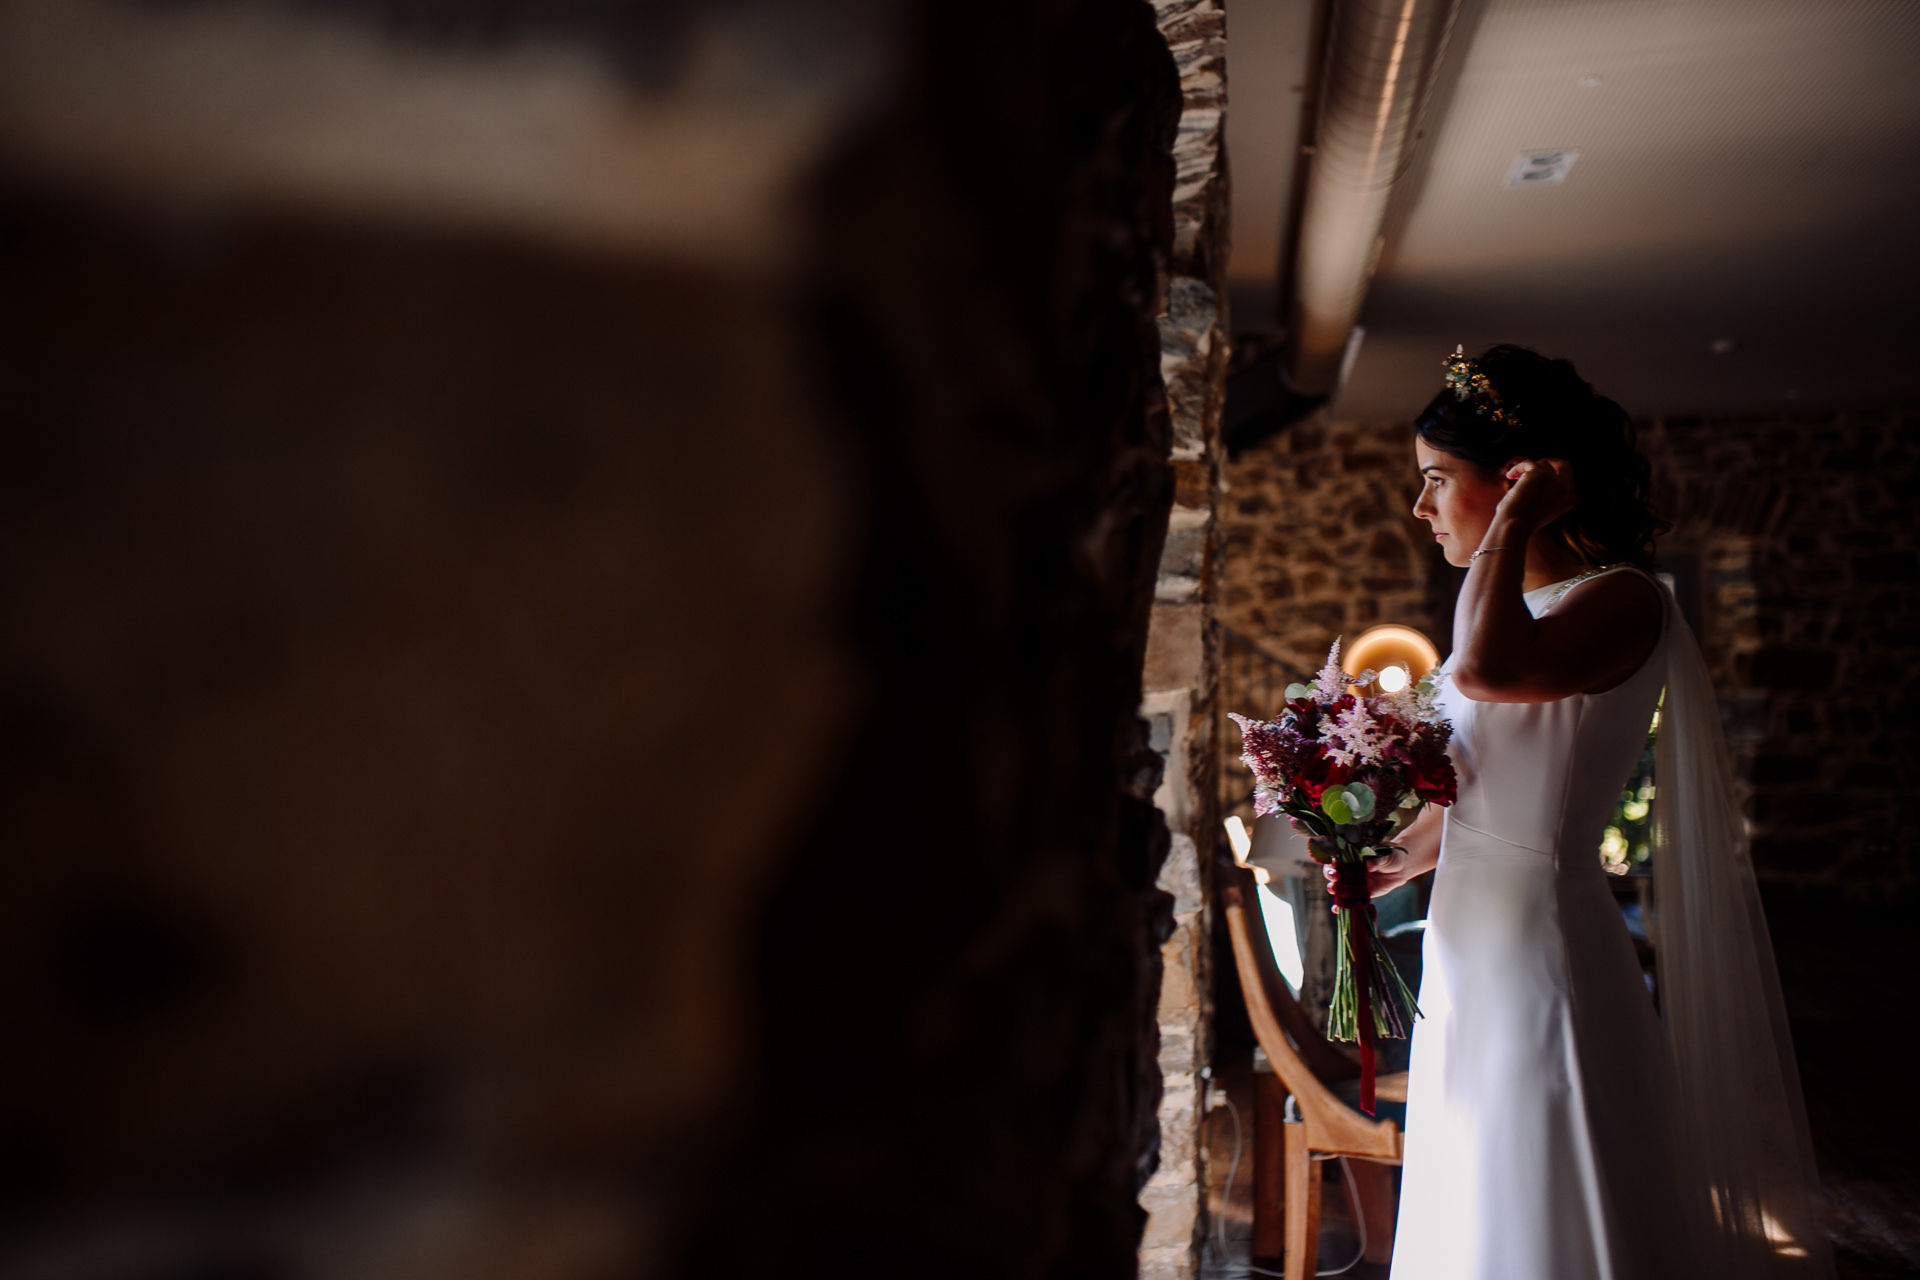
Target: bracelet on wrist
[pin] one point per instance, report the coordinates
(1484, 551)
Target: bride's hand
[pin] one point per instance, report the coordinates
(1384, 874)
(1542, 491)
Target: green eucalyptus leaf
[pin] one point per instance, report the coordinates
(1360, 800)
(1335, 803)
(1408, 801)
(1298, 691)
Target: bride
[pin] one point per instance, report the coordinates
(1559, 1127)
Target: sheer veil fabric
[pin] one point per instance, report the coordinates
(1742, 1117)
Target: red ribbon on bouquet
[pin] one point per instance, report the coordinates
(1350, 894)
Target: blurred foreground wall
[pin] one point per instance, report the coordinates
(575, 587)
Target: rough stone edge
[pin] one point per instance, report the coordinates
(1182, 664)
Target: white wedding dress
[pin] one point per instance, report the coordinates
(1550, 1127)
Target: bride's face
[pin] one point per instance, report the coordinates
(1458, 500)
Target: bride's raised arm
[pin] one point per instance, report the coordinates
(1591, 641)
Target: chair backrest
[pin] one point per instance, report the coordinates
(1332, 1125)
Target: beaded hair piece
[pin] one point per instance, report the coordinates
(1469, 383)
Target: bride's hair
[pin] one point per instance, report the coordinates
(1550, 411)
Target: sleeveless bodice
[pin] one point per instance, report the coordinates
(1546, 775)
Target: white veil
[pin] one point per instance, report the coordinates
(1742, 1117)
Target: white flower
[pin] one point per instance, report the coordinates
(1353, 737)
(1332, 681)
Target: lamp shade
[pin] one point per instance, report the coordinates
(1390, 650)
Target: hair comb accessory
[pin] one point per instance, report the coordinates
(1470, 384)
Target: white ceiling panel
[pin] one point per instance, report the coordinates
(1748, 170)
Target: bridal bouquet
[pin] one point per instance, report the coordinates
(1354, 771)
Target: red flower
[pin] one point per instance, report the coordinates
(1433, 778)
(1317, 772)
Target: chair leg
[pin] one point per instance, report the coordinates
(1269, 1168)
(1378, 1203)
(1303, 1206)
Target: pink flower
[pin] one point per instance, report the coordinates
(1331, 682)
(1353, 737)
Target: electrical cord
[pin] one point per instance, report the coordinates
(1359, 1218)
(1226, 1197)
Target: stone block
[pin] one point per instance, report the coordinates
(1891, 567)
(1176, 647)
(1794, 669)
(1777, 808)
(1768, 769)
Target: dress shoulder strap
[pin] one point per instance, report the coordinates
(1560, 591)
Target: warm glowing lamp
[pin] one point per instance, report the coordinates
(1399, 654)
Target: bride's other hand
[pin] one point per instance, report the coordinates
(1384, 874)
(1542, 491)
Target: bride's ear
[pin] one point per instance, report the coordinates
(1506, 468)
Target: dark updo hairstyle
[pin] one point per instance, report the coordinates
(1555, 413)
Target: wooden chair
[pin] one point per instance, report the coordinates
(1322, 1126)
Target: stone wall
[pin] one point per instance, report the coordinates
(1806, 531)
(1180, 701)
(577, 585)
(1319, 542)
(1803, 533)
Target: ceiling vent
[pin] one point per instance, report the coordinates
(1531, 168)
